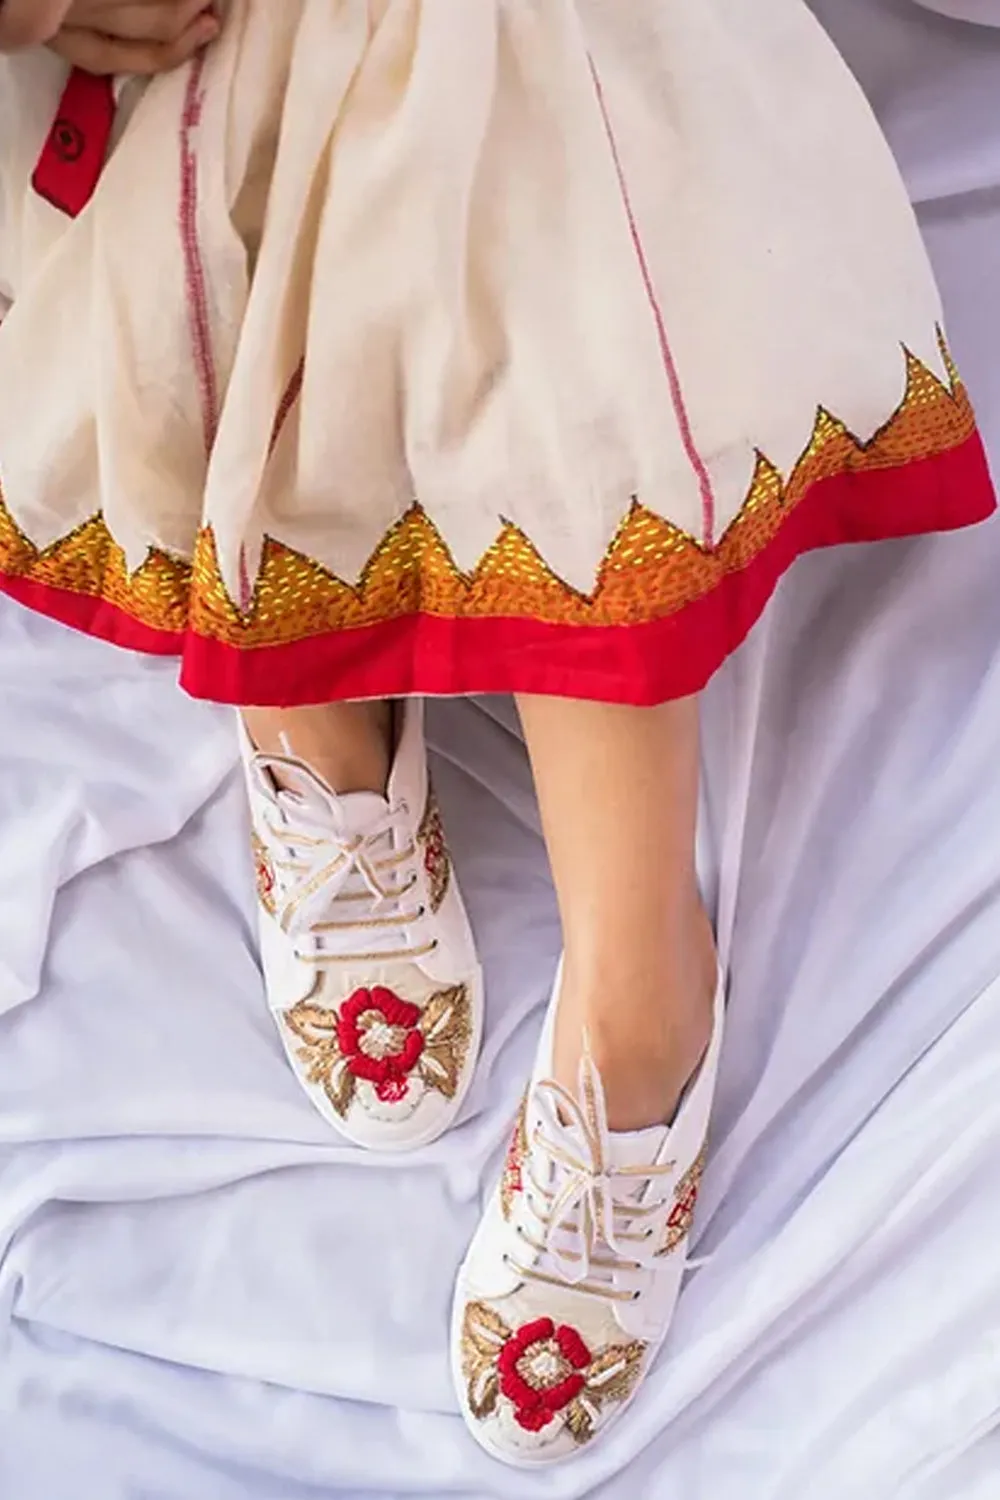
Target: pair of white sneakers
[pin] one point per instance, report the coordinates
(571, 1280)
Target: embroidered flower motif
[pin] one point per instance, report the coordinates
(376, 1046)
(512, 1181)
(263, 874)
(437, 860)
(545, 1371)
(685, 1201)
(377, 1035)
(539, 1368)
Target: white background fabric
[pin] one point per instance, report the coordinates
(204, 1297)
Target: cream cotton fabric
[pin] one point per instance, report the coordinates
(539, 259)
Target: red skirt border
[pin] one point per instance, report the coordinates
(652, 662)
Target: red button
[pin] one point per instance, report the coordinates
(73, 157)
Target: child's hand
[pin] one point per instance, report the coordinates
(111, 36)
(26, 23)
(134, 36)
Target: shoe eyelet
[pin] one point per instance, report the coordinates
(635, 1296)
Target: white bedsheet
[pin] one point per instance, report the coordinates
(204, 1297)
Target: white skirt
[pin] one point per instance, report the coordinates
(444, 346)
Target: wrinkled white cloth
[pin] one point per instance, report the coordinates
(204, 1297)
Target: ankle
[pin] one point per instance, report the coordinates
(647, 1025)
(350, 745)
(645, 1065)
(667, 971)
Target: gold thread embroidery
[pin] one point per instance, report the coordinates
(685, 1201)
(263, 874)
(89, 561)
(444, 1027)
(518, 1366)
(437, 859)
(512, 1180)
(652, 569)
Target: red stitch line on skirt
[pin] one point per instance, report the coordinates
(194, 269)
(670, 364)
(288, 400)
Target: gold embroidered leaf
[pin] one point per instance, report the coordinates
(578, 1422)
(614, 1374)
(484, 1333)
(446, 1015)
(439, 1069)
(319, 1061)
(340, 1085)
(483, 1391)
(447, 1030)
(434, 1065)
(304, 1019)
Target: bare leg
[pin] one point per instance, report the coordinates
(618, 789)
(348, 744)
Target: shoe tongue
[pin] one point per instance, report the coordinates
(637, 1148)
(361, 811)
(354, 813)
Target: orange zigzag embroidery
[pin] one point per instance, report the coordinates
(651, 569)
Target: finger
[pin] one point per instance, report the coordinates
(96, 53)
(27, 23)
(151, 20)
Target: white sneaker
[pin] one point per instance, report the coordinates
(368, 956)
(571, 1281)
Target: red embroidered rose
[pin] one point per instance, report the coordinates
(377, 1034)
(539, 1368)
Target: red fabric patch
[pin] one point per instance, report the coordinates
(74, 154)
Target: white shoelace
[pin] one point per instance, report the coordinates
(345, 897)
(595, 1226)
